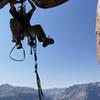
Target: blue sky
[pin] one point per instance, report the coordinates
(71, 60)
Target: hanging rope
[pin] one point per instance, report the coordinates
(32, 43)
(37, 76)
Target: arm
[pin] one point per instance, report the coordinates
(13, 11)
(33, 6)
(12, 5)
(13, 2)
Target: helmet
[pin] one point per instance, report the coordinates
(20, 8)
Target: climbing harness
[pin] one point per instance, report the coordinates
(32, 44)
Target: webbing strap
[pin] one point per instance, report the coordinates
(17, 59)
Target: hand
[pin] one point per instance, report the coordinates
(21, 1)
(12, 2)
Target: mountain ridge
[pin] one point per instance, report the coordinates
(88, 91)
(9, 92)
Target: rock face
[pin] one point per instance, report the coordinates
(98, 30)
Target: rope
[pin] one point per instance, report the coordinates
(32, 43)
(37, 77)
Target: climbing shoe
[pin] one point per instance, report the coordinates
(47, 42)
(18, 45)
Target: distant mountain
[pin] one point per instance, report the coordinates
(89, 91)
(8, 92)
(53, 92)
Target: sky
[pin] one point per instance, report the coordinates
(71, 60)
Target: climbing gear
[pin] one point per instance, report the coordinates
(19, 60)
(47, 42)
(32, 44)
